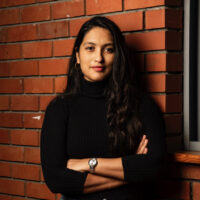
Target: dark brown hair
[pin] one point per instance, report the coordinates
(122, 94)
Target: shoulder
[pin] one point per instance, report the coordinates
(59, 104)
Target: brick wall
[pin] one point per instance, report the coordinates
(37, 38)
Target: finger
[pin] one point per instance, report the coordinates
(142, 141)
(143, 146)
(140, 145)
(145, 151)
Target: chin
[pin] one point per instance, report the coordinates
(99, 78)
(95, 78)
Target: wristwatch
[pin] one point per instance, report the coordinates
(92, 164)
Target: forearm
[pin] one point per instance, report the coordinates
(107, 167)
(110, 167)
(96, 183)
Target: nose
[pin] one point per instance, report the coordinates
(99, 56)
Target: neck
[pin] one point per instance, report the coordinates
(93, 89)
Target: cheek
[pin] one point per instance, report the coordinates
(110, 59)
(84, 59)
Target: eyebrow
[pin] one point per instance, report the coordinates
(107, 44)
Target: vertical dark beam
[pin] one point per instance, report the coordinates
(193, 69)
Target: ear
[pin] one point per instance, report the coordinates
(77, 57)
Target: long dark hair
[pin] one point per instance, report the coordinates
(122, 94)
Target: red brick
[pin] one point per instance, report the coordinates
(128, 21)
(174, 103)
(33, 120)
(43, 0)
(24, 137)
(37, 49)
(5, 169)
(18, 198)
(4, 197)
(67, 9)
(35, 13)
(38, 85)
(11, 153)
(156, 62)
(11, 120)
(174, 189)
(173, 2)
(185, 171)
(11, 86)
(58, 196)
(53, 66)
(24, 68)
(174, 62)
(174, 18)
(4, 69)
(4, 103)
(44, 101)
(174, 83)
(39, 190)
(3, 34)
(60, 84)
(163, 62)
(161, 101)
(42, 176)
(39, 137)
(24, 103)
(147, 41)
(75, 25)
(32, 155)
(173, 40)
(173, 123)
(53, 29)
(156, 82)
(12, 187)
(7, 3)
(196, 191)
(4, 136)
(63, 47)
(171, 103)
(135, 4)
(155, 19)
(157, 40)
(29, 172)
(103, 6)
(22, 33)
(163, 18)
(10, 51)
(10, 16)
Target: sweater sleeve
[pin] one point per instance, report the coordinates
(58, 178)
(146, 167)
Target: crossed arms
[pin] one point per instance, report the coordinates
(108, 173)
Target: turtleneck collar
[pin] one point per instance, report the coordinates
(93, 89)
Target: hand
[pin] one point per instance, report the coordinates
(80, 165)
(142, 149)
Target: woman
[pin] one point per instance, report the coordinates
(103, 138)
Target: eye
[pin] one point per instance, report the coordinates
(90, 48)
(109, 50)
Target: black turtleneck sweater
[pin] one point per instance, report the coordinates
(76, 127)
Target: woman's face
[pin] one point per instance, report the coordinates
(96, 54)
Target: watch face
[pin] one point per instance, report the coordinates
(93, 162)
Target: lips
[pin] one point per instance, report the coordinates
(98, 68)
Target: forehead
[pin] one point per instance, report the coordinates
(98, 35)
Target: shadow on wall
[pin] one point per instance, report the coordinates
(169, 186)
